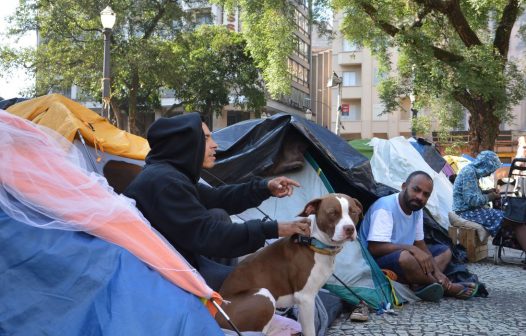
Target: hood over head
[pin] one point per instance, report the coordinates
(486, 163)
(179, 141)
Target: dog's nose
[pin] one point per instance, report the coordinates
(349, 230)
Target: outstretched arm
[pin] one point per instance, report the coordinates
(237, 198)
(234, 198)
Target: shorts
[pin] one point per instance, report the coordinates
(391, 261)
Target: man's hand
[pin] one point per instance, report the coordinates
(300, 226)
(282, 186)
(424, 259)
(493, 196)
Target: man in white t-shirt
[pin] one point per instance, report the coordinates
(393, 231)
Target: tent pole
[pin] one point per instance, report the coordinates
(222, 312)
(87, 152)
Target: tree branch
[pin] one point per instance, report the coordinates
(384, 25)
(503, 32)
(420, 17)
(441, 54)
(151, 28)
(451, 9)
(446, 56)
(79, 26)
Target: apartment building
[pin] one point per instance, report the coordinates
(361, 108)
(361, 111)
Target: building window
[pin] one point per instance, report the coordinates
(302, 23)
(301, 49)
(302, 3)
(298, 72)
(349, 78)
(203, 17)
(351, 111)
(350, 46)
(379, 113)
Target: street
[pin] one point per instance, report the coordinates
(503, 312)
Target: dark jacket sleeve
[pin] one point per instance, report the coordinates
(234, 198)
(182, 219)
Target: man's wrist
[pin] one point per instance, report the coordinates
(271, 229)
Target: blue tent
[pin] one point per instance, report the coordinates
(55, 282)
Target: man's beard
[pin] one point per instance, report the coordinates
(412, 204)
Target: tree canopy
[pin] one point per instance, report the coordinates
(144, 49)
(211, 69)
(452, 51)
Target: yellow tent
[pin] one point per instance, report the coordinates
(66, 117)
(456, 162)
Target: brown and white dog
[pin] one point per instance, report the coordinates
(288, 272)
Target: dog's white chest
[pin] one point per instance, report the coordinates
(320, 273)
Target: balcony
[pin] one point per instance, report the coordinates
(350, 58)
(351, 92)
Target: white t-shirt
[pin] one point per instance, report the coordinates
(387, 222)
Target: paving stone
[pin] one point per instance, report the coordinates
(502, 313)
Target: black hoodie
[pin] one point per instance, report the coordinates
(168, 194)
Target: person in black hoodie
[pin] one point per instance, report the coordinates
(186, 213)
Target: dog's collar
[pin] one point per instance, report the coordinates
(316, 245)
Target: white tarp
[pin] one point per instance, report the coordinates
(393, 160)
(288, 208)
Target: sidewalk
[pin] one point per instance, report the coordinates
(503, 312)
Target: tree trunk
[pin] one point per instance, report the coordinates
(483, 127)
(119, 116)
(132, 109)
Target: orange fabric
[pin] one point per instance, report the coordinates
(66, 116)
(120, 226)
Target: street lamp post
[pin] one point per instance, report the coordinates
(107, 17)
(414, 114)
(334, 81)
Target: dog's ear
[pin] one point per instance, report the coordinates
(310, 208)
(359, 205)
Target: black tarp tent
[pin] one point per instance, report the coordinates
(254, 147)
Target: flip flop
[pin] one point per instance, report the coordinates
(465, 293)
(433, 292)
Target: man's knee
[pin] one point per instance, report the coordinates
(447, 254)
(441, 253)
(407, 260)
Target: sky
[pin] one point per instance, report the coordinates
(14, 82)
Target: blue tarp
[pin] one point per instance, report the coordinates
(55, 282)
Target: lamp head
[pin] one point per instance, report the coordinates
(107, 17)
(335, 80)
(308, 114)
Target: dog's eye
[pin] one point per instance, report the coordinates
(331, 212)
